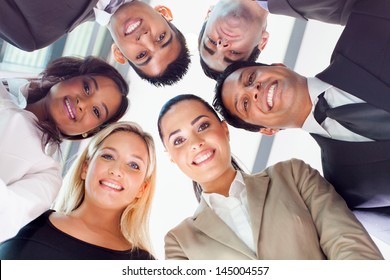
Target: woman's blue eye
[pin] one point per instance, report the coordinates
(134, 165)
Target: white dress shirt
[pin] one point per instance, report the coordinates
(29, 178)
(335, 97)
(234, 210)
(263, 4)
(101, 16)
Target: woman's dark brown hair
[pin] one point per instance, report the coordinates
(65, 68)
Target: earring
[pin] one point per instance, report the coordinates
(85, 135)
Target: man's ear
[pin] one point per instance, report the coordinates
(269, 131)
(118, 55)
(84, 169)
(263, 41)
(164, 11)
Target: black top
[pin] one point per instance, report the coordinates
(41, 240)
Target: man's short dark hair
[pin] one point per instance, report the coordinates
(176, 70)
(214, 74)
(218, 105)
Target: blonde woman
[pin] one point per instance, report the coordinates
(103, 206)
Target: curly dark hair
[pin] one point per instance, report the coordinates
(65, 68)
(218, 105)
(176, 70)
(214, 74)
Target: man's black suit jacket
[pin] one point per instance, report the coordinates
(360, 65)
(35, 24)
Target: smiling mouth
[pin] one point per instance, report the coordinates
(112, 185)
(270, 95)
(133, 26)
(69, 109)
(203, 158)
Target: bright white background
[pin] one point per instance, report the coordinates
(174, 199)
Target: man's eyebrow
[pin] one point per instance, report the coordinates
(210, 51)
(168, 42)
(145, 62)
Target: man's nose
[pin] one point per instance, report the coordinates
(255, 90)
(223, 43)
(146, 39)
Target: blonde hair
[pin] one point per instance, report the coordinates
(134, 221)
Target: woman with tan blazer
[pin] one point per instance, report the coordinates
(288, 211)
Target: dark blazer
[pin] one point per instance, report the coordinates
(35, 24)
(330, 11)
(360, 65)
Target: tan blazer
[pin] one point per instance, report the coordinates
(295, 214)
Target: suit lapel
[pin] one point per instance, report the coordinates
(257, 187)
(210, 224)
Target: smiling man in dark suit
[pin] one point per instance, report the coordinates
(346, 108)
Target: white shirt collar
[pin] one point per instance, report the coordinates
(236, 189)
(263, 4)
(101, 16)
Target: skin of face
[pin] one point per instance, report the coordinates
(115, 175)
(233, 29)
(143, 36)
(82, 103)
(269, 96)
(197, 142)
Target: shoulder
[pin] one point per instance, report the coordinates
(29, 240)
(14, 118)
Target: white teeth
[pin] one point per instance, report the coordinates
(111, 185)
(69, 109)
(270, 95)
(203, 158)
(133, 26)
